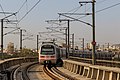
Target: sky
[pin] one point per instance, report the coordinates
(106, 21)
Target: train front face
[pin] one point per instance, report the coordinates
(47, 55)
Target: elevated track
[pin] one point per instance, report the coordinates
(79, 70)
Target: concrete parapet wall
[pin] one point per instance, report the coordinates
(4, 64)
(94, 72)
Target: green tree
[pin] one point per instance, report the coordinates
(28, 53)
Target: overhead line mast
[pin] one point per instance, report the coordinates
(93, 29)
(2, 20)
(92, 25)
(67, 37)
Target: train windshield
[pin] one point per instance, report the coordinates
(47, 50)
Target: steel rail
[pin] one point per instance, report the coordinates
(13, 73)
(25, 71)
(51, 74)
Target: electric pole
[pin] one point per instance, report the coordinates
(93, 27)
(73, 40)
(2, 38)
(73, 43)
(68, 33)
(20, 40)
(37, 42)
(2, 32)
(68, 38)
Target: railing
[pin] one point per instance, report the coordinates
(110, 63)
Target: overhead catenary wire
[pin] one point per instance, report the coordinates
(5, 14)
(99, 2)
(22, 6)
(108, 7)
(2, 9)
(75, 9)
(29, 11)
(7, 19)
(101, 9)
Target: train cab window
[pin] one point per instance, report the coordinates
(47, 50)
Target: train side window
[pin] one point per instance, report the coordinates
(58, 52)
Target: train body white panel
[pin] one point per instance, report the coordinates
(51, 58)
(49, 52)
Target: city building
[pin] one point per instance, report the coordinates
(10, 48)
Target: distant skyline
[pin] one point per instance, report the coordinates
(107, 21)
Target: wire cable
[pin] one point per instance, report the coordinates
(108, 7)
(74, 9)
(5, 14)
(29, 11)
(102, 9)
(99, 2)
(22, 6)
(2, 10)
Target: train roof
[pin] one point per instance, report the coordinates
(53, 43)
(48, 42)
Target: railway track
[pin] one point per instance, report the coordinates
(56, 74)
(21, 72)
(49, 72)
(13, 73)
(34, 71)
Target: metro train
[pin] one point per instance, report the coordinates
(50, 53)
(101, 55)
(88, 54)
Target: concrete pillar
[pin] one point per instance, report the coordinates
(99, 75)
(89, 73)
(94, 73)
(85, 71)
(118, 76)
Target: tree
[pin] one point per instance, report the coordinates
(28, 53)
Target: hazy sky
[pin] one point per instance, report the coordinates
(107, 21)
